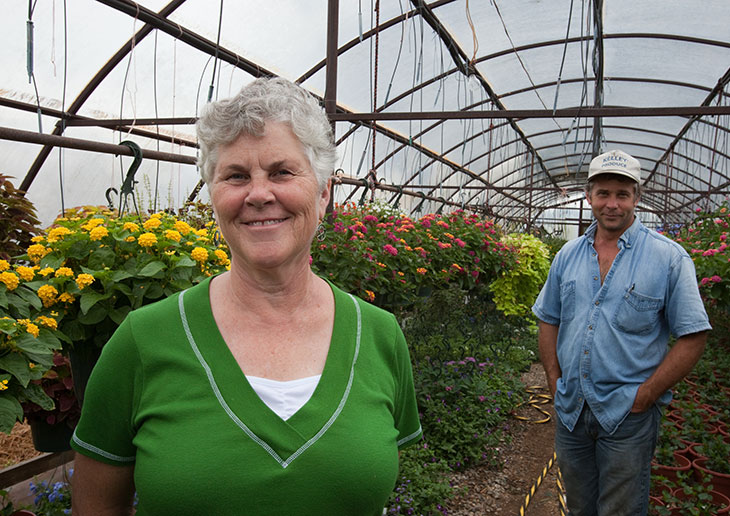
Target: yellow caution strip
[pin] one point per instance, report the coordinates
(536, 484)
(537, 398)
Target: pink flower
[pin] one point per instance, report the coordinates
(370, 218)
(426, 223)
(390, 249)
(723, 237)
(339, 227)
(704, 281)
(459, 242)
(716, 279)
(449, 387)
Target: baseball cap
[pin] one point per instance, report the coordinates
(615, 162)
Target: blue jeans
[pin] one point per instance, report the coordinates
(604, 474)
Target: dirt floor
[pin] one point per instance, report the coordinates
(489, 491)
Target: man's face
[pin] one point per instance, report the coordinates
(613, 202)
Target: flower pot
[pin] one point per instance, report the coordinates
(719, 499)
(83, 358)
(670, 472)
(50, 438)
(720, 481)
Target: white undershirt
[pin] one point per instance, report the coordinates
(284, 398)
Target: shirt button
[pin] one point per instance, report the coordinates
(590, 327)
(597, 303)
(586, 351)
(585, 376)
(595, 278)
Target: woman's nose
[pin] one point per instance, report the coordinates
(259, 192)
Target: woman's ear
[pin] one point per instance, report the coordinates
(324, 198)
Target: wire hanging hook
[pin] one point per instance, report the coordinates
(129, 182)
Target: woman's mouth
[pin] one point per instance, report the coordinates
(267, 222)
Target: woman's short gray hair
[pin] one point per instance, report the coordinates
(267, 100)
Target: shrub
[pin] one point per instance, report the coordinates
(18, 222)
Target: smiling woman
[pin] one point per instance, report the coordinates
(305, 419)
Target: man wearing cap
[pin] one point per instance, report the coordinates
(611, 301)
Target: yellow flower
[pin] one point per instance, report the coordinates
(84, 280)
(91, 224)
(222, 256)
(156, 216)
(131, 226)
(173, 235)
(150, 224)
(32, 329)
(130, 239)
(26, 273)
(382, 265)
(31, 365)
(66, 298)
(48, 322)
(3, 385)
(46, 271)
(183, 227)
(57, 233)
(36, 252)
(98, 233)
(202, 232)
(36, 239)
(199, 254)
(11, 280)
(4, 265)
(64, 271)
(370, 295)
(48, 294)
(147, 239)
(421, 270)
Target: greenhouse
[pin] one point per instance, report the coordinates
(464, 134)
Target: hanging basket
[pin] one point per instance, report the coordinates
(50, 437)
(83, 358)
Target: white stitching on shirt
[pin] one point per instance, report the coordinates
(241, 424)
(412, 436)
(99, 451)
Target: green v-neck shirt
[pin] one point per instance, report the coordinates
(168, 397)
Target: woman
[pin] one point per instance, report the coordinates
(264, 390)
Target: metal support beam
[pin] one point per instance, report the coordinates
(598, 73)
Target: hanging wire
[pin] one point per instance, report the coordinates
(157, 126)
(562, 60)
(215, 60)
(124, 85)
(29, 61)
(63, 103)
(475, 40)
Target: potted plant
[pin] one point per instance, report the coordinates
(715, 464)
(52, 429)
(94, 268)
(28, 337)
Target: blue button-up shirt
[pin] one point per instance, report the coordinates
(613, 336)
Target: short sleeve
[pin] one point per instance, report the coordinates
(684, 307)
(406, 409)
(547, 306)
(106, 429)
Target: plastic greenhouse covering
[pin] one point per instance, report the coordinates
(493, 106)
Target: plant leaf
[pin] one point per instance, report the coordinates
(17, 365)
(10, 412)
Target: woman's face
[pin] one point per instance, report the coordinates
(266, 199)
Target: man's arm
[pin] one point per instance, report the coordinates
(547, 343)
(676, 365)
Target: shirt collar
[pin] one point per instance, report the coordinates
(627, 237)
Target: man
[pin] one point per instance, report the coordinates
(611, 301)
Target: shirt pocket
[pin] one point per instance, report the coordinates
(637, 313)
(567, 301)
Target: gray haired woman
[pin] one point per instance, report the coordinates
(263, 390)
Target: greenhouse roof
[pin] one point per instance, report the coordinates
(495, 106)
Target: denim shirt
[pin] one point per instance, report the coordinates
(613, 336)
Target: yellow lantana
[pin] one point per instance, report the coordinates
(3, 385)
(92, 223)
(48, 295)
(66, 298)
(4, 265)
(37, 251)
(147, 239)
(199, 254)
(183, 227)
(57, 233)
(64, 271)
(36, 239)
(48, 322)
(98, 233)
(26, 273)
(130, 238)
(202, 232)
(222, 256)
(46, 271)
(173, 235)
(150, 224)
(32, 329)
(11, 280)
(84, 280)
(131, 226)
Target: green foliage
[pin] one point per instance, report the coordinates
(517, 288)
(18, 222)
(52, 499)
(463, 405)
(423, 483)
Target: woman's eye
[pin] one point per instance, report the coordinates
(283, 172)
